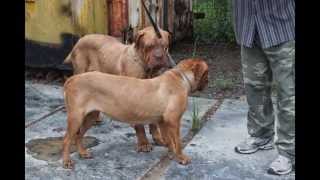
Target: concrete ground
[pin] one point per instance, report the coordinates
(114, 156)
(113, 144)
(212, 150)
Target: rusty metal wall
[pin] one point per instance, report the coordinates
(54, 26)
(46, 20)
(118, 17)
(174, 16)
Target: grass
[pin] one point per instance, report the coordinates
(217, 24)
(195, 116)
(223, 82)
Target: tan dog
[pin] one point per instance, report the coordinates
(143, 59)
(162, 100)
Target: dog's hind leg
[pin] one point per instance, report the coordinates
(87, 123)
(74, 123)
(143, 144)
(165, 137)
(80, 63)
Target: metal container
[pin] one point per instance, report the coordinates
(54, 26)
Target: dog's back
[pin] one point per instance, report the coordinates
(89, 53)
(113, 95)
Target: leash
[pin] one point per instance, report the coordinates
(173, 63)
(155, 27)
(46, 115)
(151, 20)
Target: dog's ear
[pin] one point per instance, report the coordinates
(196, 69)
(137, 39)
(201, 75)
(204, 80)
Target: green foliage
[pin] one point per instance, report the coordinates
(223, 82)
(217, 25)
(195, 117)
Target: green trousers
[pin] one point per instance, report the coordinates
(260, 68)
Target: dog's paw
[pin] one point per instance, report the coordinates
(144, 147)
(68, 164)
(86, 155)
(183, 159)
(171, 155)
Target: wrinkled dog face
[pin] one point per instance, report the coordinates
(154, 50)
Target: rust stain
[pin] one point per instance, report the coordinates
(118, 16)
(47, 19)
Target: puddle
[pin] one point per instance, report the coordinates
(49, 149)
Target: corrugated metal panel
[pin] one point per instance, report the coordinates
(89, 16)
(152, 6)
(118, 16)
(171, 15)
(46, 20)
(133, 10)
(183, 19)
(178, 14)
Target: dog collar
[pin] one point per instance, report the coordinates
(184, 76)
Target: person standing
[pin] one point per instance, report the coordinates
(265, 30)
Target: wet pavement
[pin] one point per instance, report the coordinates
(212, 150)
(113, 145)
(114, 153)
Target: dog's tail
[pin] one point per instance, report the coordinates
(67, 60)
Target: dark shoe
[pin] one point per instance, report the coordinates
(280, 166)
(253, 144)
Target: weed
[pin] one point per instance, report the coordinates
(224, 83)
(195, 116)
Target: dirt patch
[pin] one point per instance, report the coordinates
(225, 75)
(50, 149)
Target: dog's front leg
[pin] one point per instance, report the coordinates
(67, 162)
(143, 144)
(172, 126)
(74, 124)
(156, 134)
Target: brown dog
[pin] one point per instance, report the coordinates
(162, 100)
(143, 59)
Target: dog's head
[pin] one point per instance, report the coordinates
(199, 68)
(153, 49)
